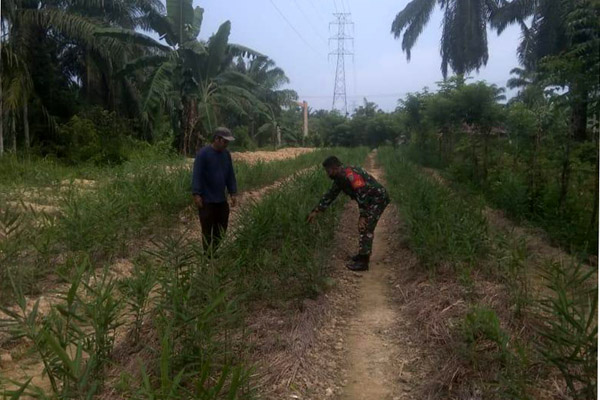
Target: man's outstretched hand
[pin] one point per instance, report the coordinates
(311, 217)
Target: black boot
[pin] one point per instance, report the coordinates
(355, 257)
(360, 264)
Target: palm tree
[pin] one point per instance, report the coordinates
(521, 79)
(191, 79)
(71, 57)
(269, 79)
(463, 44)
(530, 89)
(547, 34)
(554, 33)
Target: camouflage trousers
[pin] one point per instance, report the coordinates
(371, 213)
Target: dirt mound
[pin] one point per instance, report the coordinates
(252, 157)
(268, 156)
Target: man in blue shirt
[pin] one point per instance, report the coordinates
(213, 173)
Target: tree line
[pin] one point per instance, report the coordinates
(86, 77)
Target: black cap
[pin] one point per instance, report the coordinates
(332, 161)
(224, 133)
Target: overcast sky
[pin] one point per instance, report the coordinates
(379, 72)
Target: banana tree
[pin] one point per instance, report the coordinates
(189, 78)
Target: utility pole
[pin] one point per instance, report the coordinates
(304, 106)
(345, 45)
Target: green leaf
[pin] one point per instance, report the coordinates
(181, 14)
(60, 353)
(16, 394)
(236, 50)
(197, 23)
(159, 86)
(217, 48)
(131, 37)
(142, 62)
(195, 47)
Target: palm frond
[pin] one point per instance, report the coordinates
(237, 50)
(131, 37)
(414, 17)
(158, 87)
(511, 12)
(141, 63)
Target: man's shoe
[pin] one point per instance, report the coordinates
(360, 263)
(355, 257)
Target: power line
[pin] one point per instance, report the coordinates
(348, 6)
(293, 28)
(317, 11)
(310, 22)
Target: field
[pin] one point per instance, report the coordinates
(107, 294)
(483, 279)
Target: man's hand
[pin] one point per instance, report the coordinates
(311, 217)
(198, 201)
(233, 200)
(362, 223)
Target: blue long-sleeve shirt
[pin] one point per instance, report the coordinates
(213, 172)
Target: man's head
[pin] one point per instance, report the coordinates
(221, 138)
(333, 166)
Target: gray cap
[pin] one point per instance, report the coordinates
(224, 133)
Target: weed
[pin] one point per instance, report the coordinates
(570, 326)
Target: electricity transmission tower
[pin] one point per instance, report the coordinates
(343, 28)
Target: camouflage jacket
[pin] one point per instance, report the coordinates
(359, 185)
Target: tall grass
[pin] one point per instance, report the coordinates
(498, 352)
(74, 339)
(569, 328)
(184, 311)
(274, 256)
(444, 229)
(565, 209)
(129, 202)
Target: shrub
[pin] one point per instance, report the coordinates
(95, 135)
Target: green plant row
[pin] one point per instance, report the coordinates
(443, 227)
(502, 358)
(185, 310)
(141, 198)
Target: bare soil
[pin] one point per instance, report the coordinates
(252, 157)
(381, 361)
(355, 341)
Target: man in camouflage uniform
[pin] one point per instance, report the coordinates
(372, 199)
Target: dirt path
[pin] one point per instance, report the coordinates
(253, 157)
(357, 341)
(376, 356)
